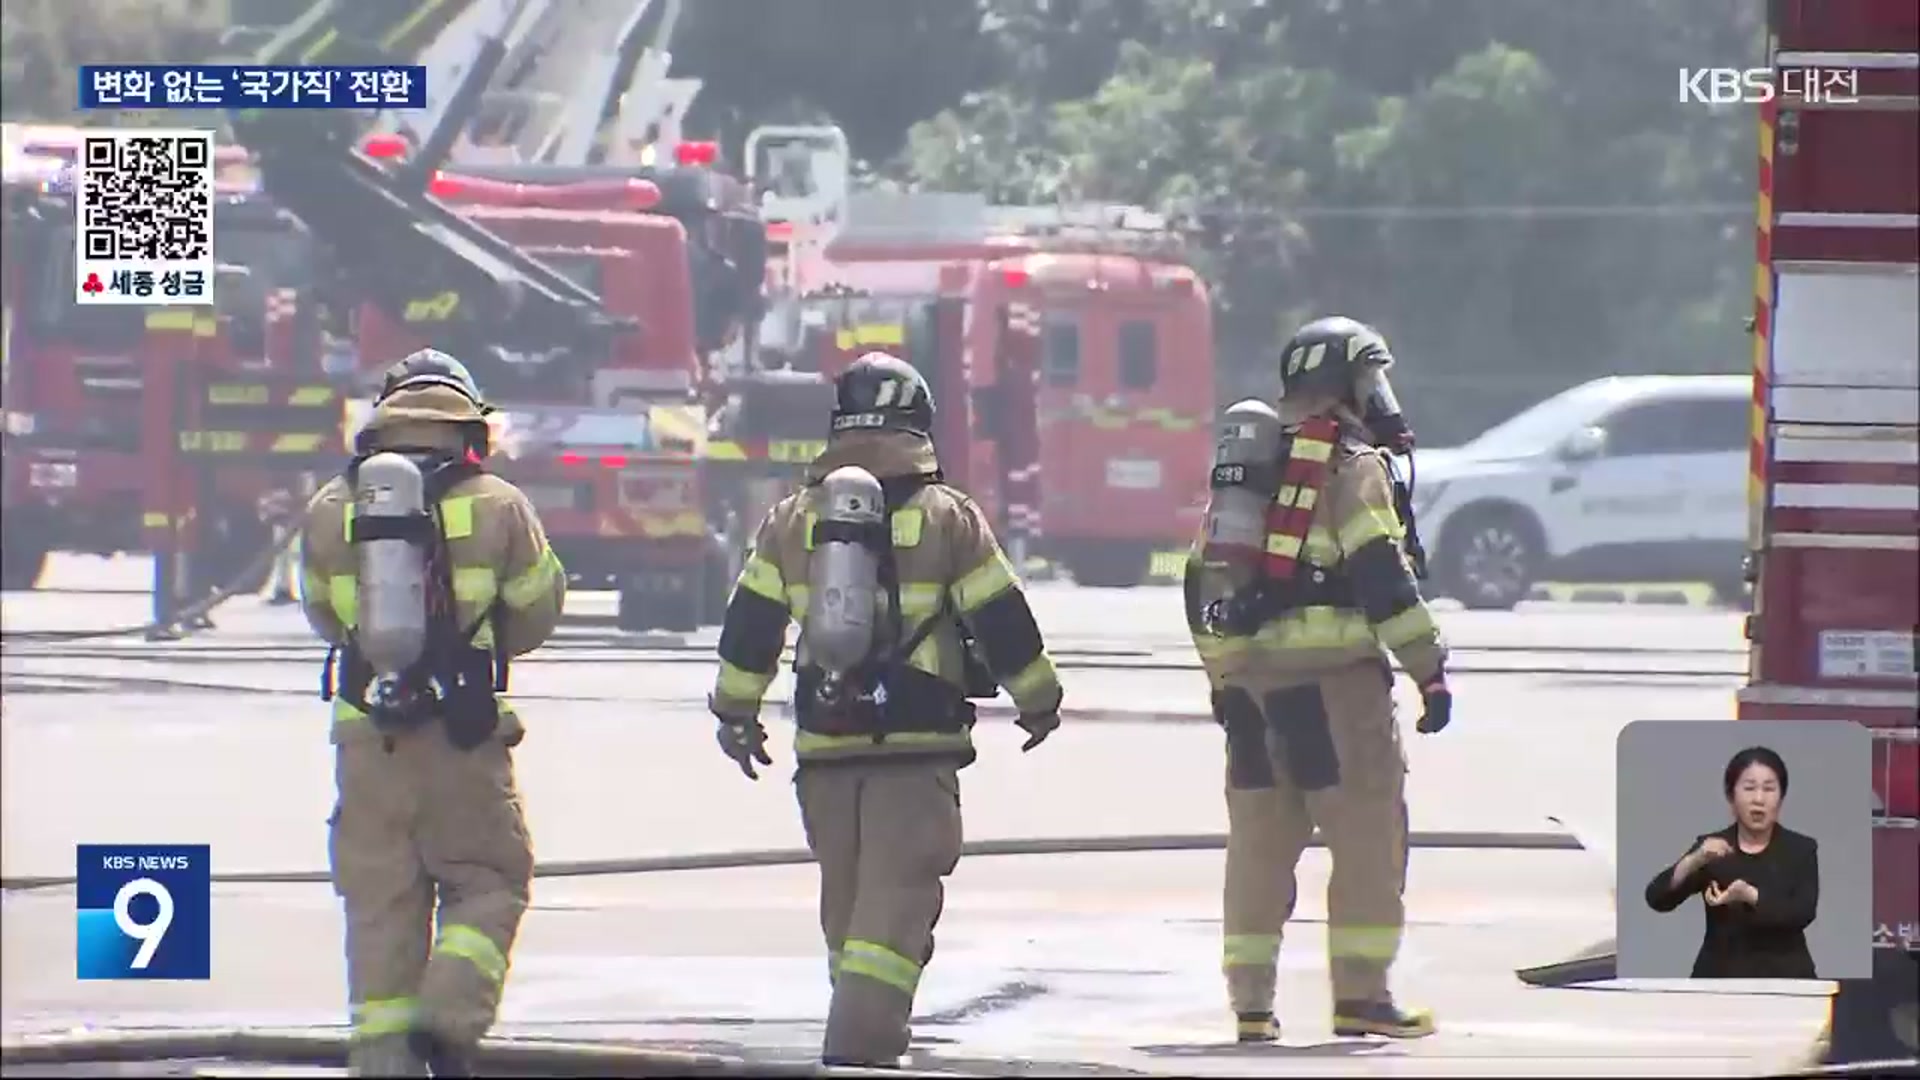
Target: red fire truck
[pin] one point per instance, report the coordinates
(1072, 352)
(1835, 477)
(74, 466)
(613, 459)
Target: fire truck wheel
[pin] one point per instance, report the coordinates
(1489, 557)
(23, 555)
(1110, 566)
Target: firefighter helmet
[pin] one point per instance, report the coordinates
(431, 367)
(1327, 356)
(881, 392)
(1347, 360)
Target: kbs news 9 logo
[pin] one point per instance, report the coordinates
(143, 911)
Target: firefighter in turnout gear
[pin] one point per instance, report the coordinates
(907, 608)
(426, 573)
(1302, 582)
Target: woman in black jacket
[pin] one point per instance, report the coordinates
(1759, 879)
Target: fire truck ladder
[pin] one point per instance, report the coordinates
(395, 244)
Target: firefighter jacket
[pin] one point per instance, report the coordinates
(944, 549)
(495, 542)
(1356, 594)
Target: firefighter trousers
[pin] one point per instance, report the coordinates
(420, 821)
(885, 835)
(1325, 754)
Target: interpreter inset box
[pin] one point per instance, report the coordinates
(1745, 850)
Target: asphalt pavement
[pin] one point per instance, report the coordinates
(1101, 962)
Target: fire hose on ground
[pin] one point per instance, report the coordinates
(182, 619)
(541, 1057)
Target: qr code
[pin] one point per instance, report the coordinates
(143, 208)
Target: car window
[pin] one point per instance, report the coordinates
(1060, 362)
(1139, 354)
(1690, 426)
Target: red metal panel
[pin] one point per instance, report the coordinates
(1848, 25)
(1800, 243)
(1837, 589)
(1848, 161)
(1896, 888)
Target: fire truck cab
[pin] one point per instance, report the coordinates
(1072, 354)
(610, 449)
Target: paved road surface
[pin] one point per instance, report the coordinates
(1108, 959)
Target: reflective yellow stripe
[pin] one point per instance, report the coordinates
(469, 944)
(1409, 626)
(297, 444)
(310, 395)
(1287, 547)
(1250, 950)
(475, 585)
(456, 516)
(1375, 943)
(879, 963)
(343, 593)
(170, 319)
(383, 1017)
(529, 587)
(236, 394)
(812, 743)
(741, 685)
(909, 525)
(1026, 687)
(1369, 523)
(1316, 627)
(1311, 449)
(983, 583)
(313, 586)
(761, 578)
(726, 451)
(1303, 498)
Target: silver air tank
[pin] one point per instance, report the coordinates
(391, 630)
(1245, 462)
(843, 574)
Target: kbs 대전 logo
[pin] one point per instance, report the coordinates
(1753, 86)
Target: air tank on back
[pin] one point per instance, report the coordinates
(1244, 480)
(843, 595)
(392, 529)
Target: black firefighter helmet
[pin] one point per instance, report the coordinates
(1346, 360)
(431, 367)
(880, 392)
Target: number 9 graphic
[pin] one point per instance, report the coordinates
(149, 935)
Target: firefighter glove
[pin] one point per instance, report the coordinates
(745, 741)
(1439, 708)
(1038, 726)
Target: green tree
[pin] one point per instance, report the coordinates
(44, 43)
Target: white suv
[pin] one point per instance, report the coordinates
(1624, 479)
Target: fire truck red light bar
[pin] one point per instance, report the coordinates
(1014, 278)
(613, 461)
(384, 146)
(571, 458)
(696, 153)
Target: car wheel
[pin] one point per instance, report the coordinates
(1491, 560)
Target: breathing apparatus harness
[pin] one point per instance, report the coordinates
(886, 694)
(1301, 469)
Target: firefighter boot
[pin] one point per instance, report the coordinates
(443, 1058)
(1382, 1018)
(1256, 1027)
